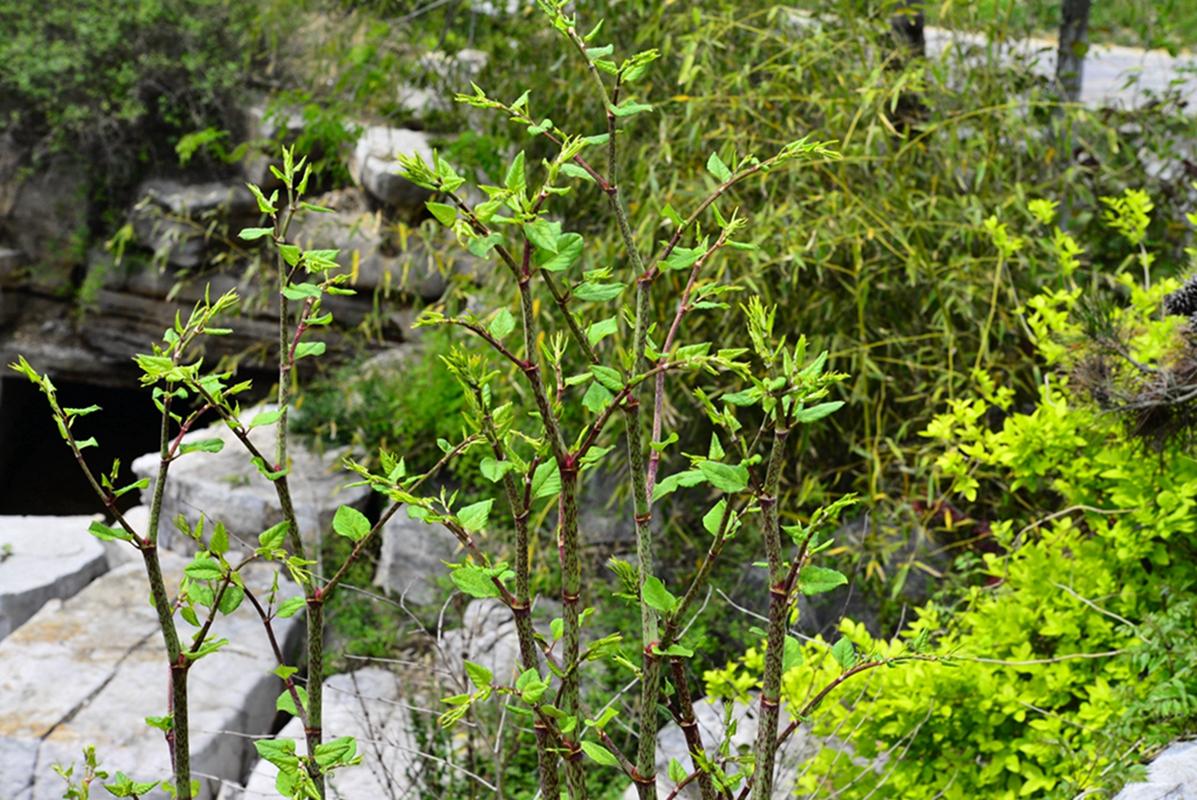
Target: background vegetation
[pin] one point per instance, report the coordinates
(925, 260)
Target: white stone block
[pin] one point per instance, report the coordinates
(41, 559)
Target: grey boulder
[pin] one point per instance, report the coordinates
(1172, 776)
(411, 559)
(374, 165)
(225, 486)
(43, 559)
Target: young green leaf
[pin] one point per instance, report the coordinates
(713, 518)
(716, 167)
(844, 653)
(473, 517)
(444, 213)
(272, 537)
(286, 702)
(291, 606)
(601, 330)
(250, 234)
(494, 470)
(203, 568)
(202, 446)
(546, 480)
(816, 580)
(502, 325)
(351, 523)
(305, 349)
(656, 596)
(792, 655)
(108, 534)
(724, 477)
(474, 581)
(597, 398)
(817, 412)
(479, 675)
(600, 754)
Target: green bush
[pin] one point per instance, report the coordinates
(885, 252)
(1065, 658)
(116, 82)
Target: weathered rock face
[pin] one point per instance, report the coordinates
(78, 674)
(45, 215)
(487, 636)
(374, 165)
(444, 75)
(43, 559)
(411, 559)
(225, 486)
(172, 217)
(368, 705)
(671, 743)
(1172, 776)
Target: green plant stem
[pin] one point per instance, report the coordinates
(765, 748)
(529, 655)
(179, 729)
(313, 733)
(689, 726)
(288, 682)
(570, 539)
(571, 599)
(645, 772)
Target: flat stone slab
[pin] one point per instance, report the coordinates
(1172, 776)
(226, 487)
(369, 705)
(42, 559)
(90, 669)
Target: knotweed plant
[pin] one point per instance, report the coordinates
(568, 373)
(598, 349)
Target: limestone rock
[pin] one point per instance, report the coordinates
(368, 705)
(419, 267)
(488, 637)
(444, 74)
(374, 165)
(42, 559)
(671, 743)
(46, 216)
(1172, 776)
(88, 670)
(11, 261)
(262, 122)
(171, 217)
(227, 487)
(411, 559)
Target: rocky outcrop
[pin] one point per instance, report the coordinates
(370, 705)
(225, 486)
(1172, 776)
(44, 215)
(79, 674)
(487, 636)
(173, 219)
(412, 557)
(43, 559)
(444, 74)
(374, 166)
